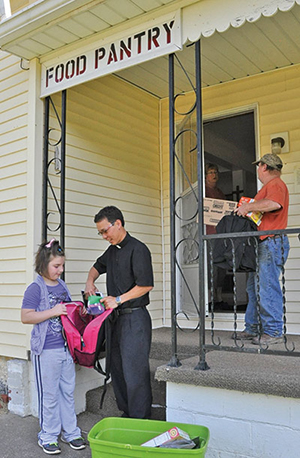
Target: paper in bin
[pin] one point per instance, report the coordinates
(171, 434)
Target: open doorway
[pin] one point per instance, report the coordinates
(230, 144)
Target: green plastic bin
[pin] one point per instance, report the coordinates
(122, 437)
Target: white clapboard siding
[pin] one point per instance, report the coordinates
(113, 158)
(13, 204)
(277, 95)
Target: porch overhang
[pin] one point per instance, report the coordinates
(200, 18)
(204, 18)
(47, 27)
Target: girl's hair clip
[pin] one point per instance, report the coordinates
(49, 245)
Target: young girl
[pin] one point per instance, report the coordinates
(54, 368)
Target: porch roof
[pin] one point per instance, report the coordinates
(267, 40)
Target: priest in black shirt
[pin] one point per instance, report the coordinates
(129, 279)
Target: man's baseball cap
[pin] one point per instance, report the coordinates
(272, 160)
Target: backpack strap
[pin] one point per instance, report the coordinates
(107, 359)
(105, 342)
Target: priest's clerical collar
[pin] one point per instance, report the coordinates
(124, 241)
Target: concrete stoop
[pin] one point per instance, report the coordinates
(160, 355)
(110, 409)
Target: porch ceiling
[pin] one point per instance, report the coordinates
(48, 25)
(267, 44)
(262, 43)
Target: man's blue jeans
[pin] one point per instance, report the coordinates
(270, 260)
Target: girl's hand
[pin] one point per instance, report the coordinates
(59, 309)
(83, 311)
(31, 316)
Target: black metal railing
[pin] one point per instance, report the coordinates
(177, 136)
(240, 345)
(54, 142)
(190, 247)
(219, 340)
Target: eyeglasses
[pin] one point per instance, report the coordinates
(105, 231)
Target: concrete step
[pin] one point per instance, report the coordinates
(110, 409)
(161, 347)
(161, 352)
(158, 388)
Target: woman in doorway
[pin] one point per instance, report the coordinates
(213, 192)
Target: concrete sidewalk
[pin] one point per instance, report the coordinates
(19, 437)
(259, 373)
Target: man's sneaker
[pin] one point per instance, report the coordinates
(50, 449)
(265, 339)
(244, 335)
(76, 444)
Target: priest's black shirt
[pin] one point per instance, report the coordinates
(126, 265)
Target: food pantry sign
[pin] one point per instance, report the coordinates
(104, 57)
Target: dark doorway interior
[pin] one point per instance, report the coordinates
(229, 142)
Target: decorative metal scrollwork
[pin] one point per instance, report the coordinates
(54, 142)
(182, 94)
(54, 182)
(188, 242)
(187, 247)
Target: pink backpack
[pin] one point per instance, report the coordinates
(88, 338)
(82, 333)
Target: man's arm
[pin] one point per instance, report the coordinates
(90, 287)
(134, 293)
(263, 205)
